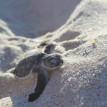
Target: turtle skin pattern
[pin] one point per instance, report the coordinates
(33, 64)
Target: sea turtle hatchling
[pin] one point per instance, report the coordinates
(41, 63)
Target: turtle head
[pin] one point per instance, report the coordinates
(52, 61)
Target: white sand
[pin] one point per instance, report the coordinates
(80, 27)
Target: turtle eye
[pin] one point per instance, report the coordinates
(53, 62)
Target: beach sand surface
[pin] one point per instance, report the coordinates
(79, 27)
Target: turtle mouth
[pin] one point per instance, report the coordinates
(53, 61)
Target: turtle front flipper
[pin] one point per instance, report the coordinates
(25, 66)
(42, 80)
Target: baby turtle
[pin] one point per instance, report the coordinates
(42, 63)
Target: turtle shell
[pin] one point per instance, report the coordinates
(27, 65)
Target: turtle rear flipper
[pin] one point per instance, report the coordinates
(50, 48)
(42, 80)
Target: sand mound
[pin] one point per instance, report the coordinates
(36, 17)
(79, 28)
